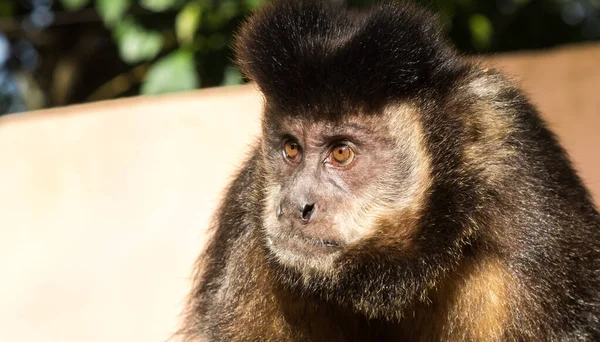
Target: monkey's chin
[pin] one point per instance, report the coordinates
(304, 254)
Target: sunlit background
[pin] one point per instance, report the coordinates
(59, 52)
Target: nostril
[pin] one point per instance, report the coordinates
(307, 212)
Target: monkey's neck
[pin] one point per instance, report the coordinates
(471, 304)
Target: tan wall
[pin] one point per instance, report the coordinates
(103, 206)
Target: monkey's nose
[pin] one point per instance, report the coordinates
(307, 211)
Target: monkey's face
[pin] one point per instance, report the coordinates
(331, 186)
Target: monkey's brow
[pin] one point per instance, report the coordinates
(346, 127)
(345, 131)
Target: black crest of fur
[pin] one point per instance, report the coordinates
(306, 54)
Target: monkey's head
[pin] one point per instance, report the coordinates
(333, 184)
(347, 162)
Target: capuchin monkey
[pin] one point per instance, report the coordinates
(398, 192)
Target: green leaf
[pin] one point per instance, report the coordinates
(74, 5)
(465, 3)
(7, 9)
(157, 5)
(135, 43)
(215, 21)
(217, 41)
(112, 11)
(187, 23)
(228, 9)
(253, 4)
(232, 76)
(481, 31)
(172, 73)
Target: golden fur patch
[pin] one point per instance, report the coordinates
(481, 301)
(486, 151)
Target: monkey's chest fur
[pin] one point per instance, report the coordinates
(250, 303)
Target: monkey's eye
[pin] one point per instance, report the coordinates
(341, 156)
(291, 150)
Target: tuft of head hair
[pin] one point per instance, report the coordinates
(306, 54)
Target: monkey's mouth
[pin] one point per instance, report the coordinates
(317, 242)
(302, 244)
(305, 240)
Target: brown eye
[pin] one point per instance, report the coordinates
(291, 150)
(342, 155)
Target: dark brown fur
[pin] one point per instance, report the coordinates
(499, 241)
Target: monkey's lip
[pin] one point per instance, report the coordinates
(303, 243)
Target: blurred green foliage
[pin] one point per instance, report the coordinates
(69, 51)
(176, 69)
